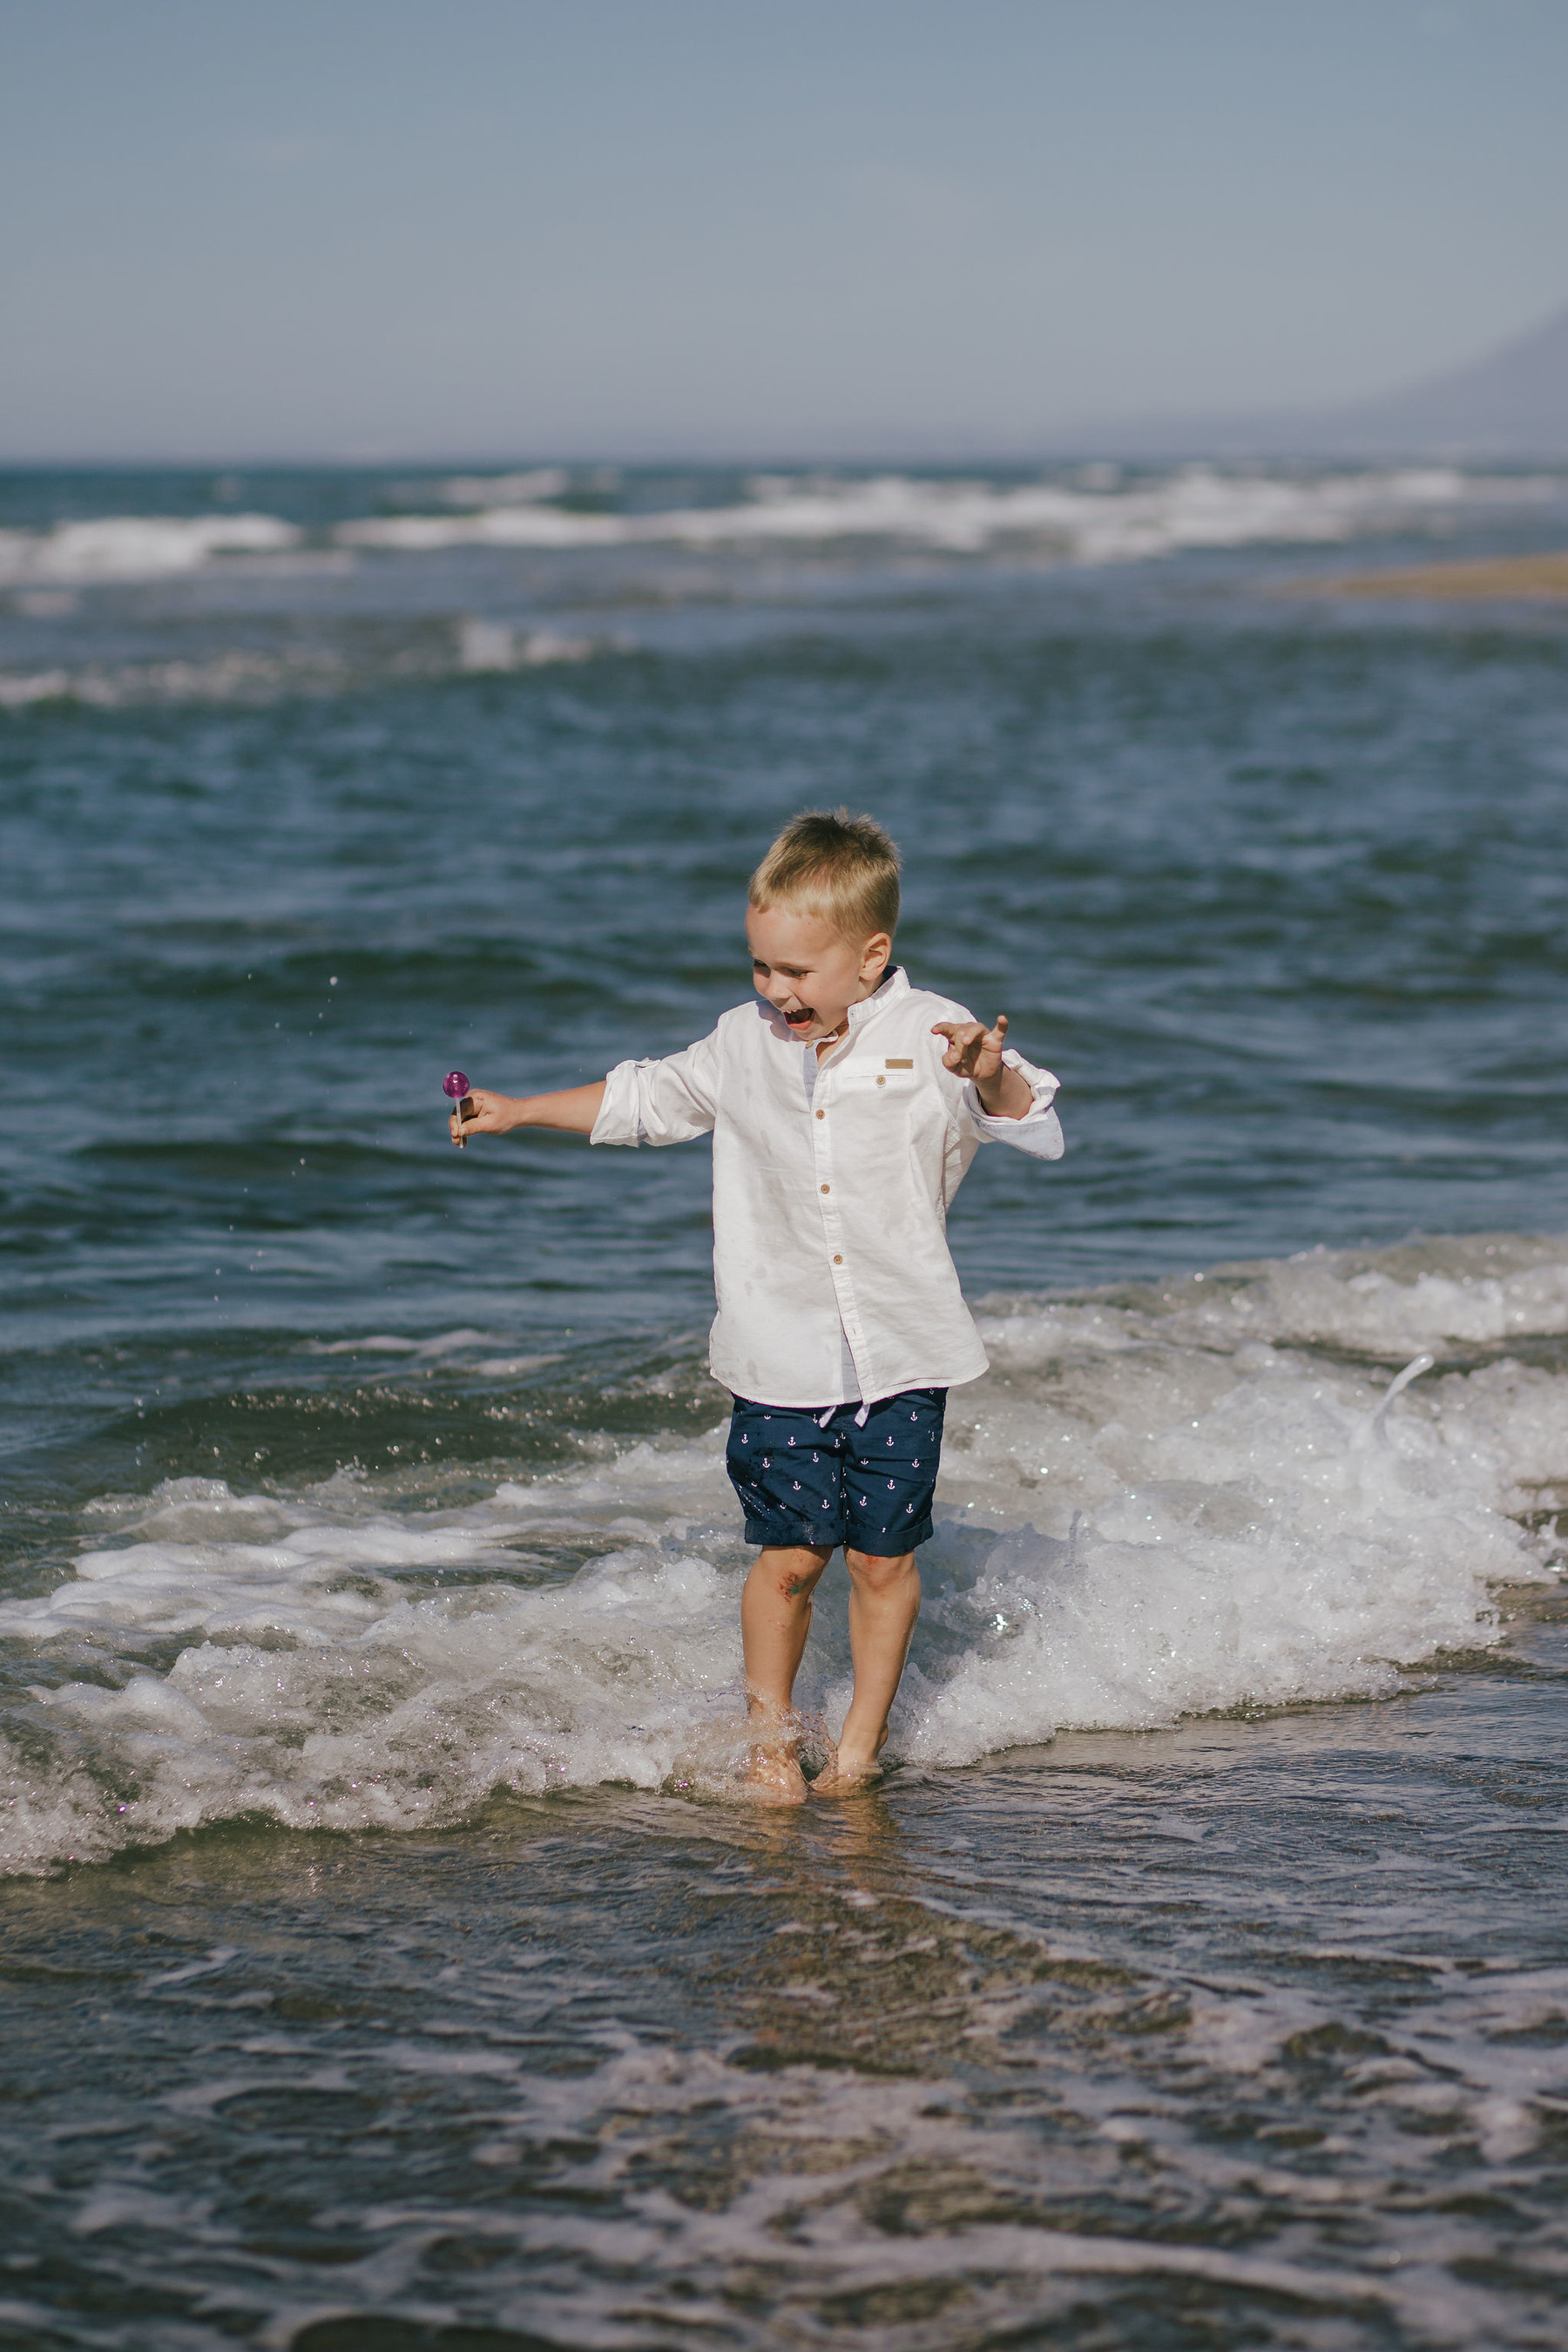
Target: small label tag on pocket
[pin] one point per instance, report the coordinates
(891, 1065)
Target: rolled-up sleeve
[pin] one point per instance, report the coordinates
(671, 1101)
(1040, 1131)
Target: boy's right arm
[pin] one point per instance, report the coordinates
(667, 1101)
(571, 1113)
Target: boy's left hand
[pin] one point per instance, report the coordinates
(975, 1052)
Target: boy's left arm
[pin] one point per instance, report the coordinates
(1012, 1100)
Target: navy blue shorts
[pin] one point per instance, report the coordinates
(870, 1488)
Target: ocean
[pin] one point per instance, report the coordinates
(389, 1961)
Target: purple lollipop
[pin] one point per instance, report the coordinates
(456, 1085)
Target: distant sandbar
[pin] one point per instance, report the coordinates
(1493, 578)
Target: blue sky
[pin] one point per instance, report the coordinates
(372, 228)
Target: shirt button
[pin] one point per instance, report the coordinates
(828, 1188)
(837, 1259)
(822, 1114)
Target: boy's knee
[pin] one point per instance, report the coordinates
(877, 1573)
(797, 1569)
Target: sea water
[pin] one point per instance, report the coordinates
(390, 1958)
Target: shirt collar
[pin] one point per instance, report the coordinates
(895, 982)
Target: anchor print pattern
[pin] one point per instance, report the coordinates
(812, 1477)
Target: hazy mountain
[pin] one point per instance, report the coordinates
(1513, 402)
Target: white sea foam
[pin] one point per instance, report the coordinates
(242, 673)
(237, 675)
(1196, 506)
(1164, 1501)
(492, 646)
(137, 547)
(1096, 516)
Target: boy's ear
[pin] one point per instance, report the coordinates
(874, 955)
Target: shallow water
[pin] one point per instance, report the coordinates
(388, 1960)
(1250, 2031)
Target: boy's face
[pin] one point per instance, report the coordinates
(810, 974)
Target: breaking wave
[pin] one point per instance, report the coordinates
(470, 645)
(1095, 515)
(1208, 1495)
(1099, 519)
(137, 547)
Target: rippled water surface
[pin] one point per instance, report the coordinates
(388, 1960)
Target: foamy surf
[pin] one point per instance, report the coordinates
(1092, 515)
(138, 547)
(1098, 521)
(247, 675)
(1216, 1493)
(237, 675)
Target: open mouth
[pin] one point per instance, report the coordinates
(802, 1018)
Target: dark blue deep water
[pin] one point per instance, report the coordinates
(388, 1962)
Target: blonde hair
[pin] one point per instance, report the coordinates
(828, 863)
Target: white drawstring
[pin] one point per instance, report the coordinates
(823, 1419)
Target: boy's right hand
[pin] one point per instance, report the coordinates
(572, 1112)
(491, 1115)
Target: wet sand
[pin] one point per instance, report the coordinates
(1489, 579)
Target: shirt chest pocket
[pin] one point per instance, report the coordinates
(879, 1098)
(884, 1081)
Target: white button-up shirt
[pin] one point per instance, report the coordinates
(830, 1191)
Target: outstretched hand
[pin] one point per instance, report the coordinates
(972, 1050)
(573, 1111)
(491, 1115)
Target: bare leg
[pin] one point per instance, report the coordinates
(775, 1618)
(884, 1601)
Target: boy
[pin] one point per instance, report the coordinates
(841, 1135)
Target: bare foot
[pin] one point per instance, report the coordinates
(774, 1778)
(848, 1776)
(846, 1779)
